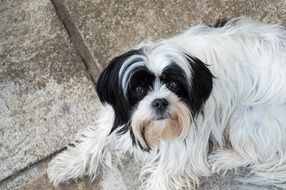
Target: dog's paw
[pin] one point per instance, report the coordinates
(64, 167)
(223, 160)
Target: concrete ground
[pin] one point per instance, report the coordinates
(51, 52)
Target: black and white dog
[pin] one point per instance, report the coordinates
(167, 102)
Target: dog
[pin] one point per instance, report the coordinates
(208, 100)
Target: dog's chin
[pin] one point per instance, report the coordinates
(165, 128)
(149, 132)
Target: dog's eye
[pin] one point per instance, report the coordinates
(139, 89)
(173, 85)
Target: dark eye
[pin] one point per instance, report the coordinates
(173, 85)
(139, 89)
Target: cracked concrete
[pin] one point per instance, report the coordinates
(50, 50)
(46, 95)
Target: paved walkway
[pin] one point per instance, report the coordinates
(51, 52)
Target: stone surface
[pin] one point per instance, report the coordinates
(35, 172)
(46, 95)
(81, 184)
(35, 178)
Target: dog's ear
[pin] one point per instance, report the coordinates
(108, 82)
(110, 90)
(108, 86)
(201, 84)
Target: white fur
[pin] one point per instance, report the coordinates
(245, 116)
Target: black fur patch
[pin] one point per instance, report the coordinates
(202, 84)
(196, 93)
(142, 77)
(220, 23)
(110, 91)
(175, 73)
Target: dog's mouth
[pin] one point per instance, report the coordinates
(161, 116)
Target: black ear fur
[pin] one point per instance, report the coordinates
(109, 90)
(107, 82)
(220, 23)
(202, 84)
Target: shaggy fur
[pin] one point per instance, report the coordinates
(224, 84)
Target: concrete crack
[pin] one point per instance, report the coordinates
(91, 64)
(17, 173)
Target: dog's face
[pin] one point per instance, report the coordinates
(155, 92)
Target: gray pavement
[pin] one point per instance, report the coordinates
(46, 94)
(51, 52)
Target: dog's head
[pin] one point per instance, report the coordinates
(155, 92)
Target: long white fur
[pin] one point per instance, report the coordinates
(246, 112)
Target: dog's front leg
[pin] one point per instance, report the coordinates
(93, 147)
(173, 167)
(168, 178)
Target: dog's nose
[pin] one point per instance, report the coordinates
(160, 104)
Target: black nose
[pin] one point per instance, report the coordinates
(160, 104)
